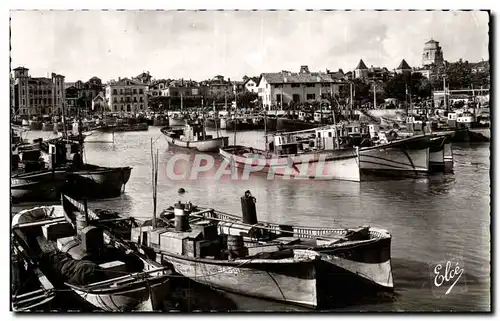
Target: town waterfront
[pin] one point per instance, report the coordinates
(430, 219)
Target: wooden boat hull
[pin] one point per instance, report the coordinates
(403, 158)
(123, 128)
(285, 124)
(147, 295)
(176, 122)
(271, 123)
(239, 124)
(334, 165)
(47, 127)
(146, 288)
(294, 283)
(31, 291)
(368, 262)
(45, 185)
(99, 182)
(440, 154)
(371, 262)
(209, 145)
(212, 122)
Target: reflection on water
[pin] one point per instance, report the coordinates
(429, 218)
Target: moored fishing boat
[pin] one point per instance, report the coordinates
(78, 253)
(362, 252)
(193, 137)
(96, 181)
(407, 157)
(287, 124)
(440, 154)
(212, 257)
(47, 168)
(300, 265)
(332, 152)
(38, 185)
(31, 290)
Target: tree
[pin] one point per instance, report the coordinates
(361, 91)
(415, 85)
(245, 99)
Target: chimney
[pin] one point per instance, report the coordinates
(304, 69)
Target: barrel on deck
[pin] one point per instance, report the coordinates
(181, 217)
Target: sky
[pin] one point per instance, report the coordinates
(201, 44)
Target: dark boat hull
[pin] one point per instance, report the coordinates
(285, 124)
(98, 182)
(294, 283)
(46, 185)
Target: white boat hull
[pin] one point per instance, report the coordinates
(291, 282)
(335, 165)
(211, 145)
(145, 298)
(395, 159)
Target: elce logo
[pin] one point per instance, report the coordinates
(448, 277)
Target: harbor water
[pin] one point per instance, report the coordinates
(430, 219)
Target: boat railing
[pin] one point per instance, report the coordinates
(298, 231)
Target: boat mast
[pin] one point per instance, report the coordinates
(65, 133)
(154, 179)
(235, 113)
(351, 103)
(203, 119)
(216, 117)
(181, 101)
(374, 96)
(265, 129)
(320, 107)
(444, 92)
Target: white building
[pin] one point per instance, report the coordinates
(156, 88)
(37, 96)
(126, 95)
(251, 84)
(277, 89)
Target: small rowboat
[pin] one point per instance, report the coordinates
(76, 252)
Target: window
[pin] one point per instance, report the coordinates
(121, 91)
(325, 85)
(324, 96)
(115, 92)
(278, 98)
(140, 106)
(135, 91)
(296, 98)
(135, 99)
(115, 100)
(311, 96)
(329, 134)
(141, 91)
(121, 107)
(128, 107)
(121, 99)
(295, 85)
(311, 85)
(140, 99)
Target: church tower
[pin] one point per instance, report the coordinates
(432, 54)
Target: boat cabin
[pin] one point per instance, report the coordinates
(189, 133)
